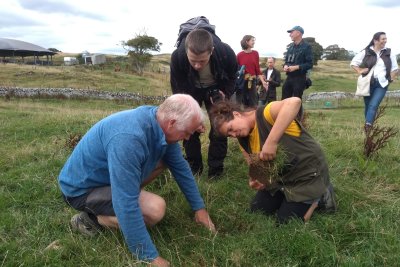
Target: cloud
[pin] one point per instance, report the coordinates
(114, 51)
(51, 6)
(8, 20)
(100, 25)
(384, 3)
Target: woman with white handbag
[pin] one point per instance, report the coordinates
(379, 63)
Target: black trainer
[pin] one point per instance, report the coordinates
(195, 166)
(215, 173)
(327, 203)
(82, 223)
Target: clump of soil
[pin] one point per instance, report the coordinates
(266, 172)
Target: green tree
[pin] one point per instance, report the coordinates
(334, 52)
(55, 50)
(139, 50)
(317, 49)
(80, 59)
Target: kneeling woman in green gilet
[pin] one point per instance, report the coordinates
(303, 182)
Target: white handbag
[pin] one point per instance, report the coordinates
(364, 83)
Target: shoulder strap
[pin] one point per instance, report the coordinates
(263, 126)
(244, 143)
(263, 131)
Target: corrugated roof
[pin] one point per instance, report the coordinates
(11, 47)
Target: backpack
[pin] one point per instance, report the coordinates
(200, 22)
(240, 81)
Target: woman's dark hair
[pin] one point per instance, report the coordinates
(244, 41)
(222, 112)
(376, 37)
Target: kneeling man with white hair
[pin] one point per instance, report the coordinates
(105, 174)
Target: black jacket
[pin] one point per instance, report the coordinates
(370, 59)
(275, 81)
(223, 67)
(300, 54)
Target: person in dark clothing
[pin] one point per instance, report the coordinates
(273, 79)
(302, 183)
(205, 68)
(298, 61)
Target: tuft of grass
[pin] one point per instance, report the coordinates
(73, 140)
(376, 137)
(267, 172)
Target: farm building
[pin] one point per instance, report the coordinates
(69, 61)
(14, 48)
(93, 59)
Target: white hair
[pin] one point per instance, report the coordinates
(182, 108)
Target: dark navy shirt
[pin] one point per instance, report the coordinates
(301, 55)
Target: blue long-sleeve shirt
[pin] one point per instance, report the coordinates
(122, 150)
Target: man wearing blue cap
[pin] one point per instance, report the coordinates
(298, 60)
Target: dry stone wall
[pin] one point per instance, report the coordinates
(340, 95)
(96, 94)
(76, 94)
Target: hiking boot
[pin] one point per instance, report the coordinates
(82, 223)
(327, 203)
(367, 128)
(196, 167)
(197, 171)
(215, 173)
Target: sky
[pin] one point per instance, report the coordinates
(99, 26)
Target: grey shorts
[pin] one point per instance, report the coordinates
(97, 201)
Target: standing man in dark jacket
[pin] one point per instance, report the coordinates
(205, 68)
(273, 78)
(298, 60)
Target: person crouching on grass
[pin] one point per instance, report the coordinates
(105, 175)
(303, 182)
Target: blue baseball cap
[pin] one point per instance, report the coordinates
(297, 28)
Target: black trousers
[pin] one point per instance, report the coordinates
(277, 203)
(248, 97)
(267, 97)
(97, 201)
(218, 146)
(294, 86)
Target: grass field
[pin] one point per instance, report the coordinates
(36, 135)
(326, 76)
(155, 80)
(34, 220)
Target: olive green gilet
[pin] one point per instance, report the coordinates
(305, 174)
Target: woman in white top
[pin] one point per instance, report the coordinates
(375, 54)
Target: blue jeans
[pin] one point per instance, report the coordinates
(371, 102)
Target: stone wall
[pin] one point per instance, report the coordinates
(96, 94)
(75, 94)
(340, 95)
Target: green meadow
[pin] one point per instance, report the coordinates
(34, 221)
